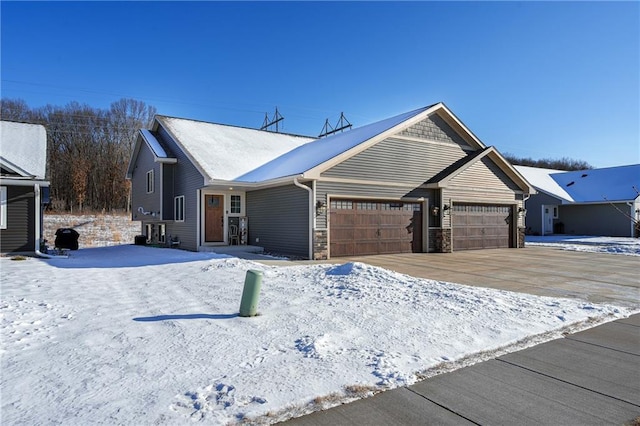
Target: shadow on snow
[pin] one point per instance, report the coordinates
(128, 256)
(187, 316)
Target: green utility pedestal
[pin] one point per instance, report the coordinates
(250, 294)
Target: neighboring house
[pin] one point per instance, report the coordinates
(23, 188)
(417, 182)
(587, 202)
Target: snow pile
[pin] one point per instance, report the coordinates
(613, 245)
(137, 335)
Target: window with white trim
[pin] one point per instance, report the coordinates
(148, 231)
(178, 208)
(235, 204)
(162, 232)
(3, 207)
(149, 181)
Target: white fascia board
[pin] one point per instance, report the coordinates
(456, 120)
(7, 181)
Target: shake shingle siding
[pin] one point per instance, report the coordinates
(434, 128)
(279, 219)
(19, 235)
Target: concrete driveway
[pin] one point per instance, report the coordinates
(591, 377)
(543, 271)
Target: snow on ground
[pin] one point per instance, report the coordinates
(614, 245)
(135, 335)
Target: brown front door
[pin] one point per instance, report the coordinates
(213, 218)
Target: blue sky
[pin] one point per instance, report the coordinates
(534, 79)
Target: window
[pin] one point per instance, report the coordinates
(235, 204)
(149, 181)
(148, 231)
(178, 208)
(162, 232)
(3, 207)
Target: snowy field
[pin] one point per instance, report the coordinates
(614, 245)
(133, 335)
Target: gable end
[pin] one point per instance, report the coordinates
(434, 128)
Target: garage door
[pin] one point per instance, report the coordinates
(364, 227)
(478, 226)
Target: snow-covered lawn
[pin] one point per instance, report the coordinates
(615, 245)
(132, 335)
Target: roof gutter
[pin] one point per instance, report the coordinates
(311, 215)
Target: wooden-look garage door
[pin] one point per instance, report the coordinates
(360, 227)
(478, 226)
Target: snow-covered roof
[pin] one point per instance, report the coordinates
(597, 185)
(310, 155)
(586, 186)
(223, 152)
(153, 143)
(541, 180)
(23, 148)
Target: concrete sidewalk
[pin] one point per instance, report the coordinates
(591, 377)
(587, 378)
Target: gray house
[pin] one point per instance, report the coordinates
(23, 188)
(416, 182)
(602, 201)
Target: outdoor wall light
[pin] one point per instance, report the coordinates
(446, 209)
(435, 210)
(522, 211)
(321, 208)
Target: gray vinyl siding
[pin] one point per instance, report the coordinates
(139, 197)
(20, 233)
(485, 174)
(596, 219)
(279, 218)
(167, 192)
(534, 218)
(398, 161)
(186, 180)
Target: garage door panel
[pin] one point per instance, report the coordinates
(378, 227)
(477, 226)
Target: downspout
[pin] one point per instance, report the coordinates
(36, 190)
(311, 215)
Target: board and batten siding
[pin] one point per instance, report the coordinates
(278, 220)
(186, 181)
(20, 233)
